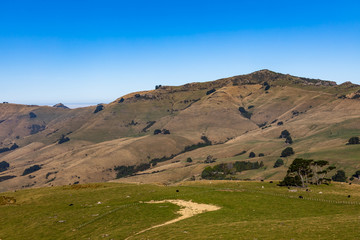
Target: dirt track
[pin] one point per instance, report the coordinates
(188, 209)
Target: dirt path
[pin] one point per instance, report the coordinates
(187, 210)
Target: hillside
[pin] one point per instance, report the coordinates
(236, 114)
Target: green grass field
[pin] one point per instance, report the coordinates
(248, 211)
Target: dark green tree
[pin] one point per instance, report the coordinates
(278, 163)
(252, 155)
(287, 152)
(300, 169)
(354, 140)
(189, 160)
(339, 176)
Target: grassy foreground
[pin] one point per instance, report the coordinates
(249, 210)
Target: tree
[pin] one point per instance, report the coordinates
(252, 155)
(353, 140)
(287, 152)
(278, 163)
(210, 91)
(99, 108)
(261, 154)
(157, 131)
(319, 173)
(357, 174)
(32, 115)
(339, 176)
(4, 166)
(189, 160)
(288, 140)
(299, 170)
(284, 134)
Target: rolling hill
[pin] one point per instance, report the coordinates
(227, 119)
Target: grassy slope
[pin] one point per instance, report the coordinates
(249, 212)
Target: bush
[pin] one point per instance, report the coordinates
(261, 154)
(165, 131)
(278, 163)
(287, 152)
(157, 131)
(245, 113)
(157, 86)
(354, 140)
(284, 134)
(4, 166)
(210, 91)
(63, 139)
(252, 155)
(32, 115)
(339, 176)
(357, 174)
(280, 123)
(121, 100)
(99, 108)
(289, 140)
(189, 160)
(31, 169)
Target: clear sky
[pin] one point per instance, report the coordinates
(95, 51)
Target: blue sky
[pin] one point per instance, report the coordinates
(96, 51)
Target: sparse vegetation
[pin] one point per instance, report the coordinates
(31, 169)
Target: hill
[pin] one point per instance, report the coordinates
(227, 119)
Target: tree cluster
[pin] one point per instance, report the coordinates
(307, 171)
(286, 134)
(123, 171)
(225, 170)
(6, 149)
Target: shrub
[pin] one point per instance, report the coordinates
(245, 113)
(252, 155)
(354, 140)
(99, 108)
(31, 169)
(284, 134)
(210, 91)
(165, 131)
(239, 154)
(210, 159)
(189, 160)
(280, 123)
(261, 154)
(357, 174)
(63, 139)
(278, 163)
(32, 115)
(287, 152)
(158, 86)
(121, 100)
(251, 106)
(4, 166)
(157, 131)
(288, 140)
(339, 176)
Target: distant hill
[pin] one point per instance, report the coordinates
(245, 113)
